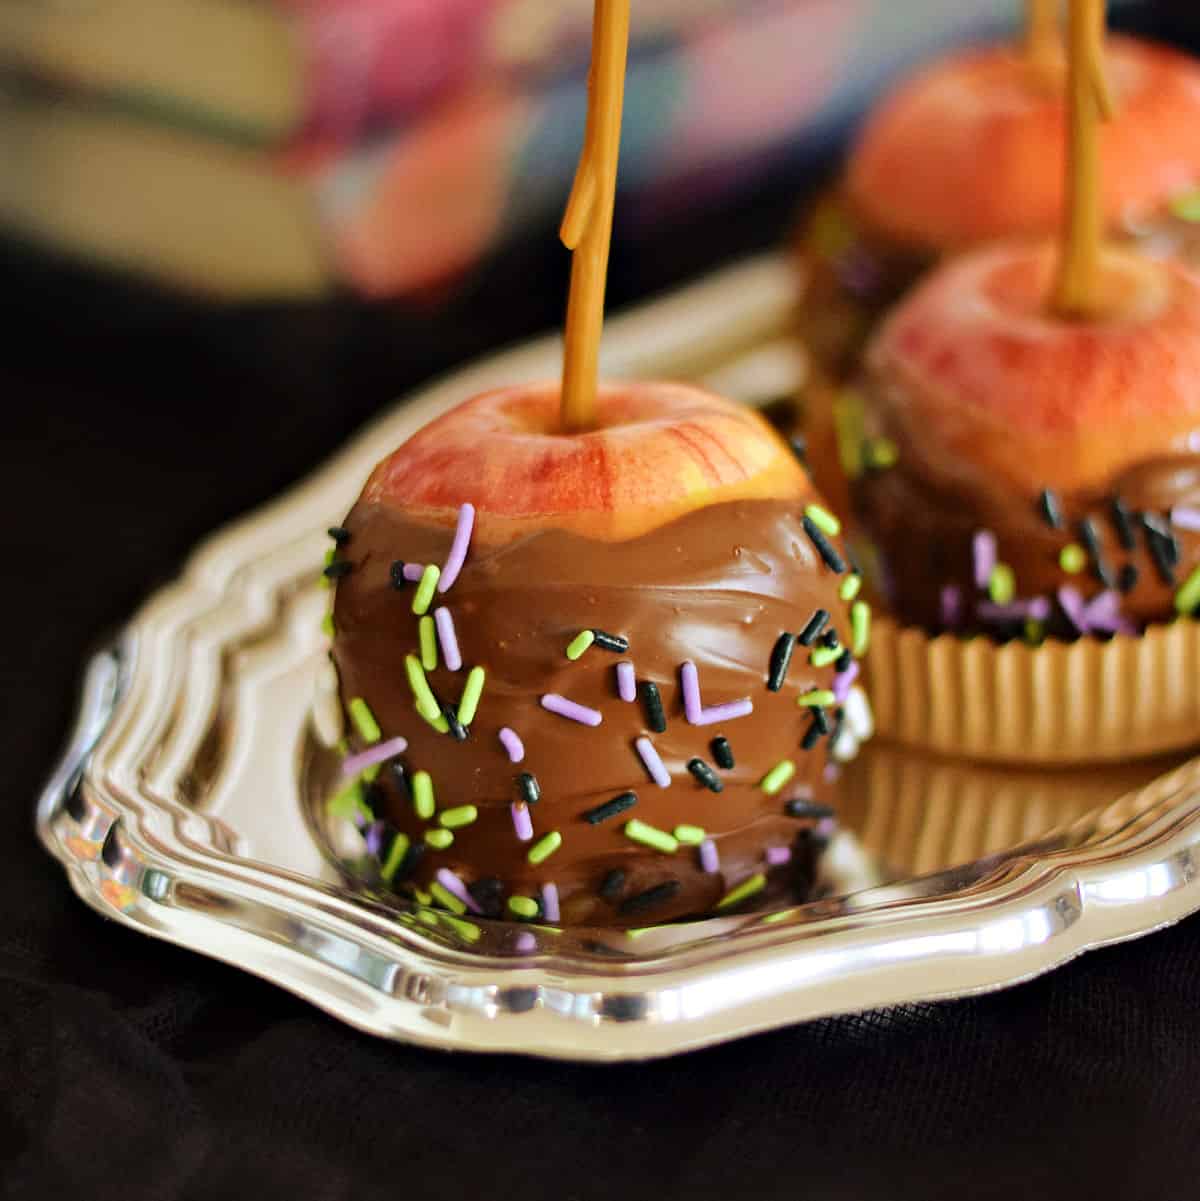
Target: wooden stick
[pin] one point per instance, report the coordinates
(587, 223)
(1042, 33)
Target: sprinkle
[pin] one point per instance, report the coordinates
(427, 703)
(653, 764)
(612, 884)
(626, 681)
(1072, 558)
(524, 943)
(412, 572)
(439, 839)
(823, 656)
(626, 800)
(825, 548)
(554, 703)
(1087, 532)
(816, 623)
(1071, 603)
(650, 836)
(611, 642)
(447, 637)
(422, 793)
(781, 658)
(443, 895)
(722, 753)
(580, 643)
(1123, 520)
(777, 777)
(1128, 578)
(651, 897)
(1164, 548)
(408, 863)
(850, 587)
(813, 734)
(453, 884)
(843, 664)
(544, 847)
(395, 857)
(459, 816)
(424, 593)
(421, 896)
(550, 902)
(427, 638)
(511, 741)
(349, 805)
(374, 838)
(335, 569)
(843, 680)
(488, 893)
(690, 836)
(525, 907)
(1002, 584)
(339, 534)
(860, 627)
(881, 453)
(777, 856)
(1104, 612)
(984, 553)
(465, 930)
(439, 723)
(472, 691)
(455, 727)
(705, 775)
(951, 606)
(327, 624)
(1037, 609)
(710, 861)
(746, 889)
(364, 720)
(730, 711)
(522, 822)
(529, 788)
(1186, 518)
(1188, 597)
(655, 717)
(379, 753)
(830, 638)
(689, 680)
(805, 807)
(396, 571)
(458, 548)
(815, 697)
(1051, 509)
(824, 520)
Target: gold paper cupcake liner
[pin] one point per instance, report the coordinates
(1058, 703)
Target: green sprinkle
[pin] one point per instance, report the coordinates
(472, 691)
(650, 836)
(423, 915)
(439, 723)
(421, 896)
(427, 705)
(330, 555)
(439, 839)
(422, 794)
(747, 888)
(1188, 597)
(1035, 632)
(525, 907)
(445, 897)
(690, 836)
(777, 777)
(349, 803)
(823, 656)
(824, 520)
(364, 720)
(468, 930)
(848, 422)
(816, 697)
(1002, 584)
(580, 643)
(850, 587)
(544, 848)
(459, 816)
(396, 853)
(1072, 559)
(371, 774)
(881, 453)
(327, 624)
(424, 593)
(427, 633)
(860, 627)
(1187, 206)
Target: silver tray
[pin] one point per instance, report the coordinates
(184, 803)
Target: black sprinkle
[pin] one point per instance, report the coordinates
(722, 753)
(488, 894)
(839, 720)
(339, 534)
(1160, 528)
(813, 734)
(529, 788)
(612, 884)
(373, 797)
(705, 775)
(808, 809)
(337, 569)
(408, 864)
(655, 716)
(400, 780)
(1051, 509)
(830, 638)
(799, 445)
(843, 664)
(816, 623)
(396, 571)
(781, 658)
(1129, 578)
(1164, 552)
(610, 642)
(1087, 532)
(1122, 519)
(457, 730)
(825, 548)
(650, 898)
(820, 719)
(618, 804)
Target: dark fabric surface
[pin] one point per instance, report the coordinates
(131, 1069)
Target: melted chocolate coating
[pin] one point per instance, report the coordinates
(717, 586)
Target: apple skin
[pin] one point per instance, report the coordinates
(658, 451)
(972, 149)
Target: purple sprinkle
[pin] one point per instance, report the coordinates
(458, 548)
(690, 680)
(375, 838)
(1073, 606)
(452, 884)
(1104, 612)
(512, 743)
(710, 861)
(825, 828)
(447, 638)
(843, 680)
(413, 571)
(652, 762)
(550, 902)
(777, 856)
(832, 771)
(626, 683)
(576, 712)
(727, 712)
(381, 751)
(951, 606)
(984, 545)
(1037, 609)
(522, 822)
(1186, 517)
(524, 943)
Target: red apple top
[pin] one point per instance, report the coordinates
(984, 371)
(657, 452)
(972, 149)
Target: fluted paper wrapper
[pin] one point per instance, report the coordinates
(1058, 703)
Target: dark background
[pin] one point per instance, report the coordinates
(135, 424)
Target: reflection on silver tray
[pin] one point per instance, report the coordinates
(183, 805)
